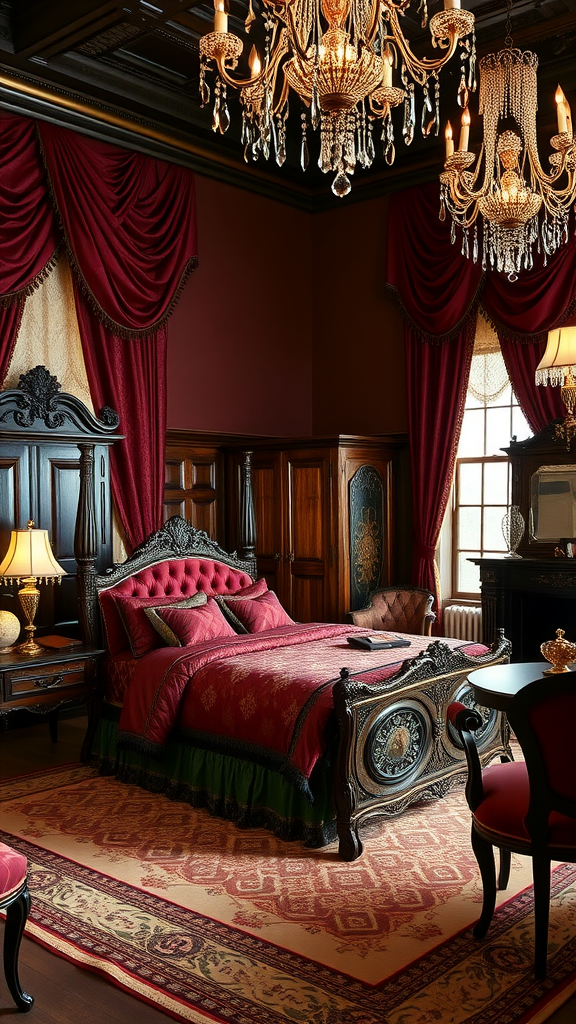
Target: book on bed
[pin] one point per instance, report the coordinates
(378, 641)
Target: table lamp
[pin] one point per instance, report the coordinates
(29, 560)
(557, 367)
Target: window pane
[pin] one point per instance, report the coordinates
(468, 574)
(469, 526)
(520, 426)
(498, 427)
(496, 483)
(472, 436)
(470, 482)
(493, 536)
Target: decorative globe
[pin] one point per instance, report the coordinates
(9, 628)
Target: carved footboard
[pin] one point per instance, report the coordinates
(396, 746)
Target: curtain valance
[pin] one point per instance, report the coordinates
(438, 288)
(128, 223)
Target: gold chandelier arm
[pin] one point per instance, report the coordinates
(420, 69)
(374, 21)
(267, 70)
(550, 179)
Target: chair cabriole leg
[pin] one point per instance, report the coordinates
(16, 917)
(485, 856)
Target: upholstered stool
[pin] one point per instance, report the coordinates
(15, 901)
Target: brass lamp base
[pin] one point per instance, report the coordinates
(29, 597)
(29, 647)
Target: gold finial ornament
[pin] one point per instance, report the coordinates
(560, 653)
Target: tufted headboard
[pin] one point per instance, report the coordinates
(177, 560)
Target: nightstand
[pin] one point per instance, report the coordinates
(48, 681)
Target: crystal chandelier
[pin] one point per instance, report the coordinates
(516, 204)
(338, 57)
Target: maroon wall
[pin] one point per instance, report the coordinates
(359, 378)
(288, 320)
(240, 338)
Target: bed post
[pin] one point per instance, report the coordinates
(85, 547)
(247, 518)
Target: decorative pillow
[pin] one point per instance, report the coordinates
(247, 593)
(181, 627)
(254, 590)
(141, 633)
(258, 613)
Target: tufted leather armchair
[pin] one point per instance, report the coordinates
(401, 609)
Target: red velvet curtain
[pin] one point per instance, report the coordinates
(440, 292)
(130, 230)
(130, 376)
(28, 240)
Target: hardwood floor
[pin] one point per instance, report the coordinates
(63, 993)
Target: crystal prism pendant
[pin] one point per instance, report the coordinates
(341, 185)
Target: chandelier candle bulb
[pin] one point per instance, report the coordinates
(464, 131)
(387, 60)
(561, 110)
(220, 17)
(254, 62)
(449, 140)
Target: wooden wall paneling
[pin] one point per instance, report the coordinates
(301, 505)
(194, 482)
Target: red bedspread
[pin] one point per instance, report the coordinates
(266, 694)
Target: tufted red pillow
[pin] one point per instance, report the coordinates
(141, 633)
(181, 627)
(259, 613)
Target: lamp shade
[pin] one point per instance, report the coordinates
(29, 554)
(559, 359)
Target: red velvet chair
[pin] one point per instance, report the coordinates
(525, 807)
(15, 901)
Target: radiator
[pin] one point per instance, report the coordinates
(463, 623)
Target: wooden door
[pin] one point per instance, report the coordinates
(268, 495)
(309, 550)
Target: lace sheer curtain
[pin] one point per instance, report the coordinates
(49, 337)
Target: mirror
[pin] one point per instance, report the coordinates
(553, 503)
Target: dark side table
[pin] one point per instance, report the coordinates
(494, 687)
(44, 683)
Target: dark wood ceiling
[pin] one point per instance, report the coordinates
(127, 71)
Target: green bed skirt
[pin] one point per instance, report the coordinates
(248, 794)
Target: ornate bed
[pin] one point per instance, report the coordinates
(334, 736)
(285, 726)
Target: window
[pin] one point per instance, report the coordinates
(481, 493)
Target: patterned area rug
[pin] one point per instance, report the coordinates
(214, 924)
